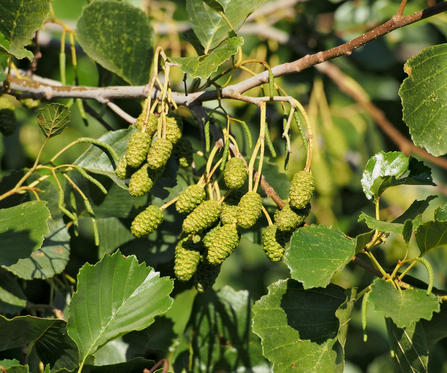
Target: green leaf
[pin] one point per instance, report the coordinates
(218, 336)
(404, 307)
(316, 253)
(431, 235)
(3, 65)
(344, 313)
(115, 296)
(380, 225)
(203, 66)
(50, 259)
(53, 118)
(136, 365)
(423, 99)
(409, 346)
(441, 213)
(97, 161)
(210, 28)
(385, 170)
(362, 240)
(20, 20)
(119, 37)
(436, 328)
(414, 212)
(12, 299)
(20, 236)
(215, 5)
(13, 366)
(298, 327)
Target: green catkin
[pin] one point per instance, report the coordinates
(274, 243)
(235, 173)
(174, 128)
(364, 319)
(289, 218)
(147, 221)
(183, 152)
(206, 276)
(137, 149)
(101, 144)
(121, 170)
(187, 258)
(229, 208)
(190, 198)
(226, 151)
(142, 181)
(225, 240)
(159, 153)
(152, 123)
(206, 130)
(335, 140)
(90, 178)
(301, 189)
(249, 209)
(202, 217)
(29, 103)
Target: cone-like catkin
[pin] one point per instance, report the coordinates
(152, 123)
(174, 128)
(190, 198)
(274, 243)
(301, 189)
(206, 276)
(147, 221)
(183, 152)
(142, 181)
(137, 149)
(121, 169)
(187, 258)
(235, 173)
(249, 209)
(229, 208)
(159, 153)
(225, 239)
(289, 218)
(202, 217)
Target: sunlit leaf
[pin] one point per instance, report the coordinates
(203, 66)
(385, 170)
(53, 118)
(423, 99)
(119, 37)
(20, 19)
(316, 253)
(114, 297)
(404, 307)
(441, 213)
(12, 299)
(344, 313)
(210, 27)
(298, 327)
(22, 229)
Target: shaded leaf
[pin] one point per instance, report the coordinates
(385, 170)
(3, 65)
(19, 237)
(297, 327)
(218, 336)
(414, 212)
(95, 160)
(403, 307)
(215, 5)
(114, 297)
(12, 299)
(48, 260)
(203, 66)
(436, 328)
(344, 313)
(13, 366)
(210, 28)
(136, 365)
(316, 253)
(423, 99)
(119, 37)
(20, 20)
(409, 346)
(362, 240)
(431, 235)
(53, 118)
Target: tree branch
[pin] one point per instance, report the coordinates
(36, 90)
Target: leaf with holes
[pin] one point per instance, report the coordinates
(423, 96)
